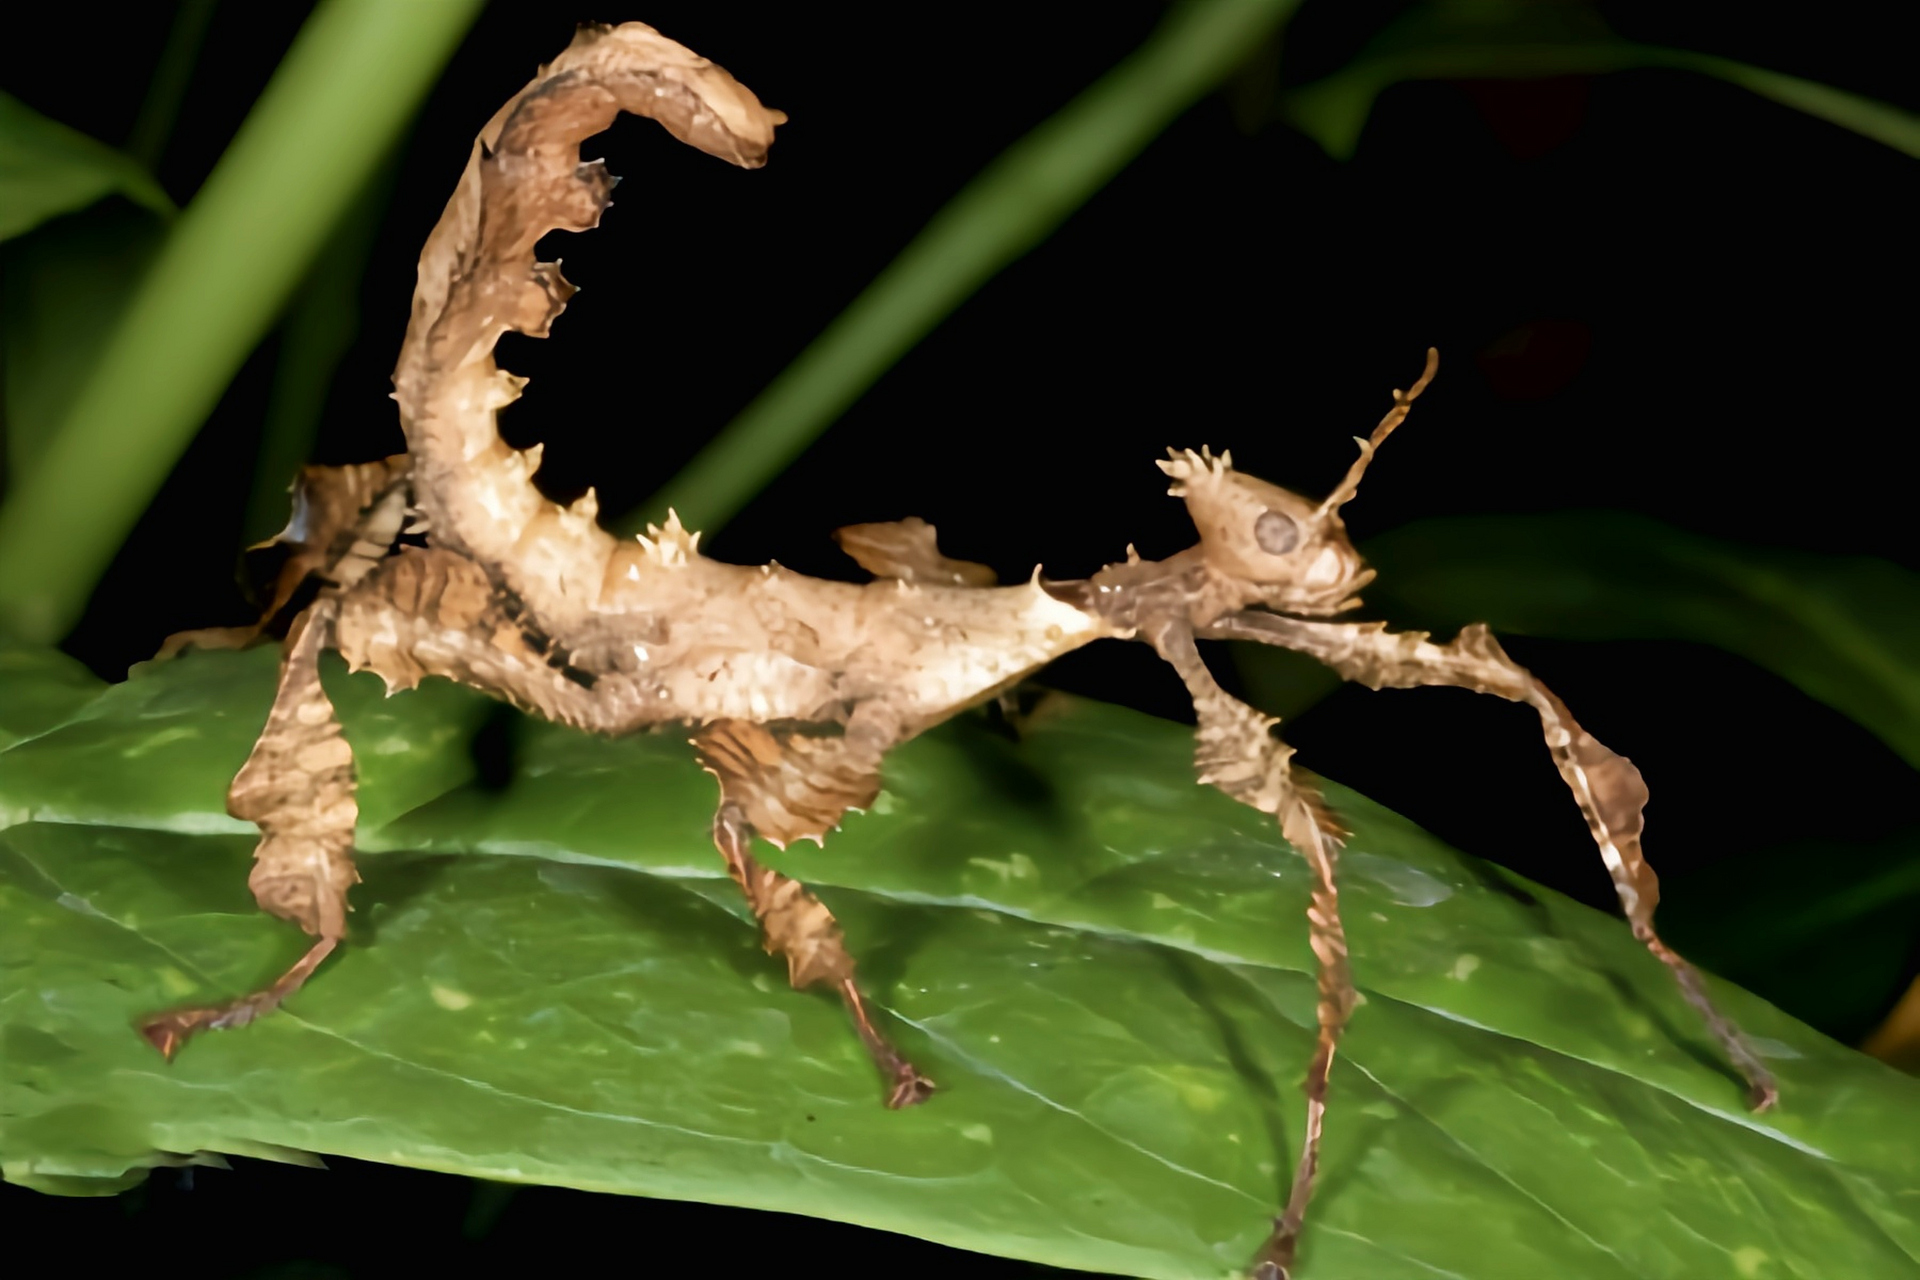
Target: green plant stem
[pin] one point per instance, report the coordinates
(349, 84)
(1009, 208)
(319, 329)
(147, 141)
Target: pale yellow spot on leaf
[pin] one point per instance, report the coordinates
(1198, 1095)
(1017, 866)
(448, 998)
(165, 737)
(1463, 967)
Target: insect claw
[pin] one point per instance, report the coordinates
(910, 1088)
(164, 1034)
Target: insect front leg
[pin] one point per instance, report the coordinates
(298, 787)
(1609, 790)
(788, 787)
(1236, 751)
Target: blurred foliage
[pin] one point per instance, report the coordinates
(217, 283)
(1073, 939)
(47, 169)
(1838, 933)
(1527, 40)
(156, 359)
(1007, 209)
(1030, 189)
(1839, 628)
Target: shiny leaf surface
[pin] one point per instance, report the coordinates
(1103, 964)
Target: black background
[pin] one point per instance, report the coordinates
(1650, 290)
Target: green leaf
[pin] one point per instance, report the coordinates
(1840, 628)
(178, 731)
(1513, 39)
(40, 689)
(329, 116)
(1103, 964)
(47, 169)
(1011, 206)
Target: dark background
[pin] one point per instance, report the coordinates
(1651, 291)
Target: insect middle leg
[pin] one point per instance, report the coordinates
(799, 927)
(788, 789)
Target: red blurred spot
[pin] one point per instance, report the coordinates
(1530, 117)
(1536, 360)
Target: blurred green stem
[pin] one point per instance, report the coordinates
(147, 141)
(319, 329)
(350, 83)
(1013, 205)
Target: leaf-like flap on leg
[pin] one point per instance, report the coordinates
(1235, 748)
(789, 786)
(799, 927)
(796, 925)
(298, 787)
(344, 520)
(431, 612)
(909, 550)
(1612, 797)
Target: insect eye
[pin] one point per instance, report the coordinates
(1276, 534)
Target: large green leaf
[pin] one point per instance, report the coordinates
(1104, 964)
(40, 689)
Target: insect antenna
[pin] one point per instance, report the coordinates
(1402, 403)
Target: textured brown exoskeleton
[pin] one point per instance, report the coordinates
(794, 688)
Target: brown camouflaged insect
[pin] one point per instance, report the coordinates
(795, 688)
